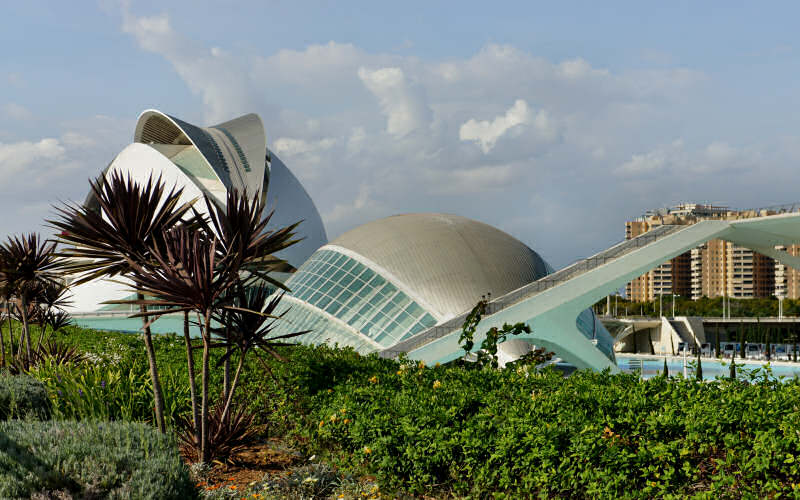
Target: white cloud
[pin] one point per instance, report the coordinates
(472, 180)
(16, 111)
(487, 133)
(292, 147)
(720, 151)
(359, 205)
(76, 139)
(575, 69)
(481, 135)
(15, 79)
(356, 140)
(19, 156)
(220, 79)
(404, 107)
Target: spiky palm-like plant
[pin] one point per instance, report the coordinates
(189, 275)
(105, 241)
(241, 228)
(6, 292)
(56, 319)
(195, 270)
(29, 262)
(51, 299)
(248, 325)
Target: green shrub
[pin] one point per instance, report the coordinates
(22, 396)
(120, 391)
(90, 460)
(592, 435)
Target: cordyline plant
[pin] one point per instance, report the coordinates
(248, 326)
(28, 263)
(196, 270)
(241, 227)
(108, 239)
(51, 300)
(6, 291)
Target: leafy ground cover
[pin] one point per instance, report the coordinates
(23, 397)
(55, 459)
(376, 426)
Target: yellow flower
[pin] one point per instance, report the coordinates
(346, 421)
(421, 365)
(399, 372)
(321, 423)
(436, 384)
(373, 379)
(334, 417)
(367, 450)
(437, 365)
(343, 411)
(330, 391)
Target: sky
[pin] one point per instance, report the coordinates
(553, 121)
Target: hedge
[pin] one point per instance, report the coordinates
(22, 396)
(511, 434)
(90, 460)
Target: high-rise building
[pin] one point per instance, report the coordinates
(787, 279)
(716, 268)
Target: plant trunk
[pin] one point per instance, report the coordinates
(158, 396)
(226, 370)
(233, 387)
(699, 371)
(25, 332)
(11, 342)
(2, 343)
(768, 343)
(192, 379)
(41, 337)
(204, 451)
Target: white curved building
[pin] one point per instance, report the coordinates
(391, 280)
(209, 160)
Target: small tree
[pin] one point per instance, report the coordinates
(768, 346)
(29, 263)
(699, 371)
(732, 373)
(666, 369)
(194, 269)
(107, 240)
(487, 354)
(742, 340)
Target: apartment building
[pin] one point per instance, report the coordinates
(716, 268)
(787, 279)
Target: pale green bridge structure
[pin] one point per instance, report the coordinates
(551, 305)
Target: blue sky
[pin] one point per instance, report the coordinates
(551, 120)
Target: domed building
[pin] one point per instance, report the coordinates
(396, 278)
(206, 161)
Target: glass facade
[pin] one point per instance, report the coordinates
(356, 295)
(300, 317)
